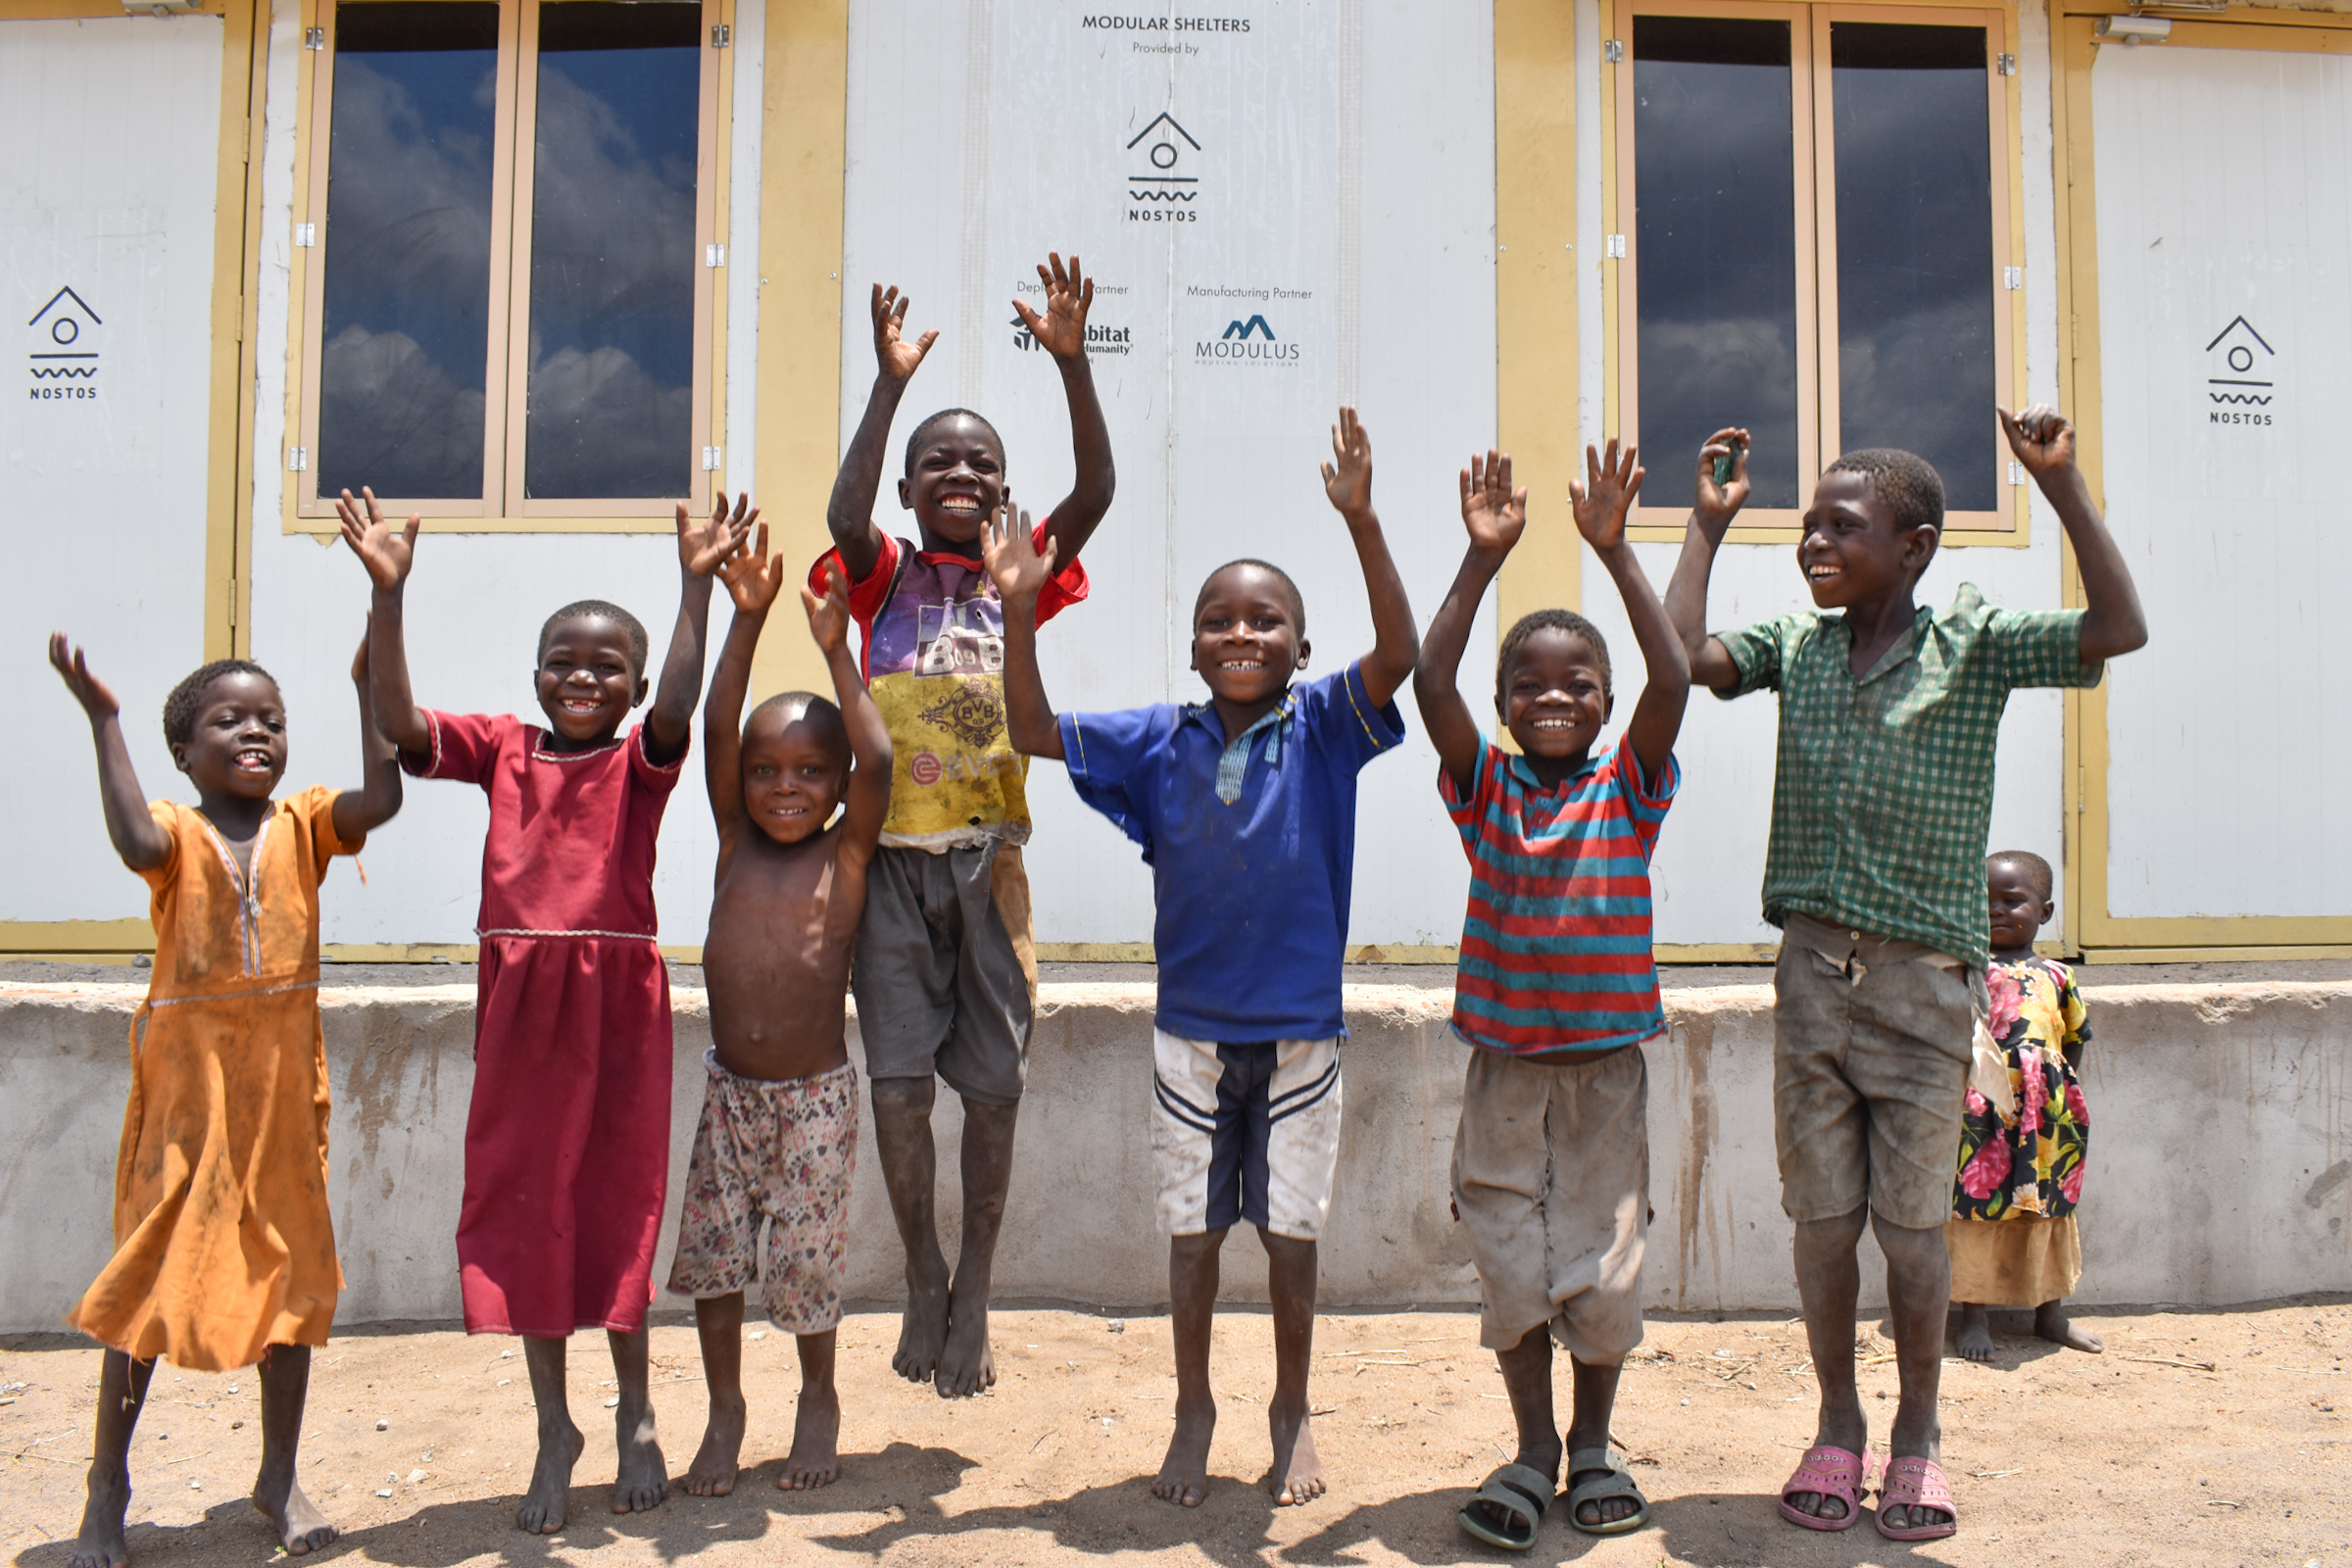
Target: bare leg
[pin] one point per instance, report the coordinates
(1298, 1474)
(122, 1389)
(1828, 1284)
(560, 1442)
(1527, 1379)
(965, 1366)
(911, 1174)
(1595, 1401)
(1191, 1307)
(815, 1457)
(2051, 1323)
(1976, 1331)
(718, 1322)
(643, 1481)
(1919, 1296)
(285, 1385)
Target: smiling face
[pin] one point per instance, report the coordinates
(955, 480)
(1247, 641)
(587, 679)
(1853, 550)
(796, 763)
(1554, 695)
(238, 745)
(2018, 904)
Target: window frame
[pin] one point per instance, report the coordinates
(502, 508)
(1814, 149)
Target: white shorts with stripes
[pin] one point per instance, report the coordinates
(1245, 1132)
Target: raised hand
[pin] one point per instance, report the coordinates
(753, 576)
(1723, 499)
(1347, 477)
(1069, 295)
(829, 615)
(97, 699)
(896, 357)
(386, 555)
(1493, 511)
(1607, 495)
(1009, 549)
(2042, 438)
(701, 548)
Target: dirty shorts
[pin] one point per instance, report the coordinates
(779, 1149)
(1245, 1132)
(1870, 1058)
(1551, 1181)
(945, 971)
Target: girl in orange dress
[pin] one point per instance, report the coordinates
(224, 1252)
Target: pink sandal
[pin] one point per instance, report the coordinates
(1913, 1482)
(1831, 1472)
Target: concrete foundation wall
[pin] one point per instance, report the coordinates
(2219, 1168)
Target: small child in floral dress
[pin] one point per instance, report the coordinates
(2012, 1233)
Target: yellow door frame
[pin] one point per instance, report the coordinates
(2089, 926)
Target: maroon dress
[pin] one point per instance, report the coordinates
(567, 1141)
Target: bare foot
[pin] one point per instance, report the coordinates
(1184, 1474)
(923, 1330)
(2051, 1323)
(713, 1473)
(815, 1458)
(1297, 1475)
(643, 1481)
(301, 1528)
(542, 1509)
(1976, 1333)
(100, 1545)
(965, 1366)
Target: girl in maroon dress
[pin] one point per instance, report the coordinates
(567, 1141)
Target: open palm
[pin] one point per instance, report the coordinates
(1493, 511)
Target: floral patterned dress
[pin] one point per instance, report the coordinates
(2012, 1235)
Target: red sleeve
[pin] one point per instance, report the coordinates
(464, 746)
(866, 593)
(651, 776)
(1064, 588)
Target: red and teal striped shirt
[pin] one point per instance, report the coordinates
(1555, 946)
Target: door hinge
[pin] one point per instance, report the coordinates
(722, 36)
(313, 38)
(297, 458)
(233, 603)
(714, 253)
(1613, 51)
(1615, 246)
(305, 234)
(711, 458)
(2005, 64)
(2013, 277)
(2017, 474)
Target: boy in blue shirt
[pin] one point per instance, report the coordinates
(1246, 810)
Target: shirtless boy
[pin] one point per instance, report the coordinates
(778, 1135)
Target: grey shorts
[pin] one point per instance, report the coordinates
(1551, 1181)
(945, 973)
(1871, 1051)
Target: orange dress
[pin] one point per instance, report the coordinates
(223, 1242)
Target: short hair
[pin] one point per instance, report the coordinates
(1562, 620)
(823, 715)
(1905, 481)
(187, 698)
(640, 645)
(1297, 598)
(2037, 869)
(914, 442)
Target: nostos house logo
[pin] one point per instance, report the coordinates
(1163, 186)
(1249, 341)
(2239, 377)
(64, 358)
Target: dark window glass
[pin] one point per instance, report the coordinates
(1715, 242)
(612, 260)
(406, 249)
(1915, 295)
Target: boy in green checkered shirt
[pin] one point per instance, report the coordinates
(1889, 715)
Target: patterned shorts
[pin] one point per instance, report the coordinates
(782, 1151)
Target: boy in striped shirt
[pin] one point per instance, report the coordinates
(1556, 989)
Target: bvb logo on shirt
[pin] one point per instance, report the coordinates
(970, 712)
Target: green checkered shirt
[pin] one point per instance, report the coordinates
(1884, 792)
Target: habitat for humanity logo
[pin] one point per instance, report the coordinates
(1169, 189)
(1251, 342)
(1099, 339)
(64, 364)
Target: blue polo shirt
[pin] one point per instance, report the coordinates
(1251, 895)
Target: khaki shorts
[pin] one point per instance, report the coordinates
(1871, 1050)
(1551, 1181)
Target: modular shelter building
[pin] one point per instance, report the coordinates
(542, 269)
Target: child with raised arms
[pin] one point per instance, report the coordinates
(946, 970)
(1891, 717)
(567, 1137)
(224, 1247)
(1245, 806)
(778, 1135)
(1556, 991)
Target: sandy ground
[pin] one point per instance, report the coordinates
(2200, 1438)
